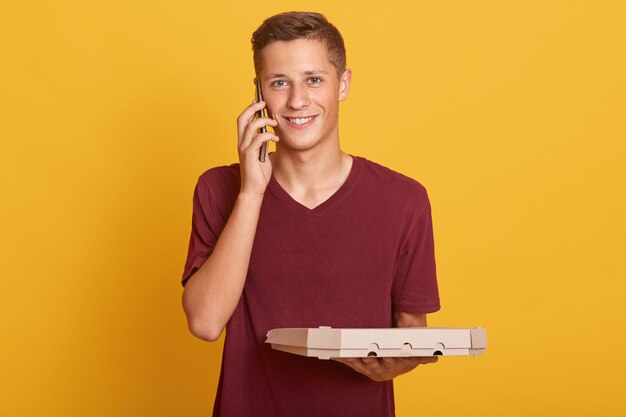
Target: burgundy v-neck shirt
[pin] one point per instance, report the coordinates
(349, 262)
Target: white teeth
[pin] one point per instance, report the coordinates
(300, 120)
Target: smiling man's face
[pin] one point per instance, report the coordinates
(302, 92)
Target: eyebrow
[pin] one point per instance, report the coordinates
(280, 75)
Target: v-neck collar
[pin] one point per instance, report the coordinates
(279, 192)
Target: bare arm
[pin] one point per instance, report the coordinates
(402, 319)
(384, 369)
(213, 291)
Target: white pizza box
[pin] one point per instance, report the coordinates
(326, 342)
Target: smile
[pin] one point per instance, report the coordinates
(300, 121)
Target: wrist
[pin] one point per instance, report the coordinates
(250, 197)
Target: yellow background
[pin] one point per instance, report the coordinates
(512, 114)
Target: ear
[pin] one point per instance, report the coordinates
(344, 84)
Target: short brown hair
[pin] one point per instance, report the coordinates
(300, 25)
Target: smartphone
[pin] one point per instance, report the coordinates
(261, 113)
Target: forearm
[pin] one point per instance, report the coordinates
(212, 293)
(401, 319)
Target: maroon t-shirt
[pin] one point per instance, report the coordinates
(349, 262)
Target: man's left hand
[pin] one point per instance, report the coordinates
(384, 369)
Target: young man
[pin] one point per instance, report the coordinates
(310, 237)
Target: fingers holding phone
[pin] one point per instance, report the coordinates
(255, 174)
(248, 117)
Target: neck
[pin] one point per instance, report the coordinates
(312, 176)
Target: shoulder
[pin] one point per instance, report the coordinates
(219, 184)
(222, 177)
(389, 182)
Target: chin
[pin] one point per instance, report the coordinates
(296, 142)
(295, 146)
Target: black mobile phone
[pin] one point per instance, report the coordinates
(261, 113)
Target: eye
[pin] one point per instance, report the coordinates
(314, 80)
(279, 83)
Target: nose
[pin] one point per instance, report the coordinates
(298, 97)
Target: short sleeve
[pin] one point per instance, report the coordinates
(414, 288)
(213, 199)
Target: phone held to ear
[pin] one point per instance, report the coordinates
(261, 113)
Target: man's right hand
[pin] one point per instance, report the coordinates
(212, 293)
(255, 175)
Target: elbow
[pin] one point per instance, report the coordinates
(203, 330)
(199, 320)
(200, 324)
